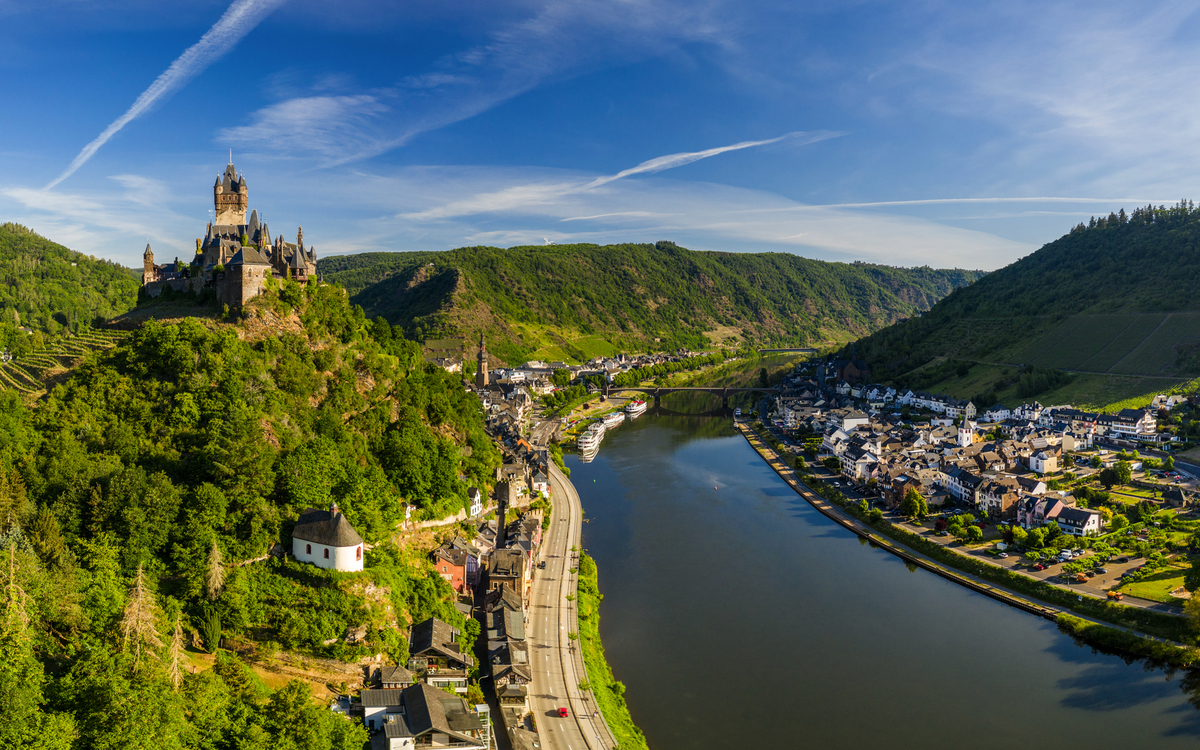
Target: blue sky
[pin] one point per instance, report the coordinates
(938, 133)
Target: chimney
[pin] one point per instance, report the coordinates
(333, 509)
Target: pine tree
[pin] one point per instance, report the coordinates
(214, 576)
(175, 656)
(22, 722)
(139, 629)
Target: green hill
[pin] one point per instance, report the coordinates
(140, 498)
(579, 301)
(53, 290)
(1113, 301)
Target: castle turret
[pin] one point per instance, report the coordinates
(481, 374)
(148, 272)
(231, 197)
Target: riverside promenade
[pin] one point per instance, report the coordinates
(557, 659)
(831, 511)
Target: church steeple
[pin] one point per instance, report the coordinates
(481, 374)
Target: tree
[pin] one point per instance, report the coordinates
(176, 655)
(1109, 478)
(1168, 463)
(210, 629)
(974, 534)
(1096, 462)
(1019, 536)
(1124, 472)
(763, 379)
(561, 378)
(22, 722)
(139, 624)
(913, 505)
(214, 577)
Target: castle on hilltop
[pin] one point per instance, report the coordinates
(235, 257)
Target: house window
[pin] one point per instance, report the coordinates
(443, 568)
(358, 552)
(308, 549)
(327, 553)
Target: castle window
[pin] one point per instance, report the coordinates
(326, 554)
(308, 549)
(358, 552)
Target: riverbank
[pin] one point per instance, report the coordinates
(1046, 601)
(606, 689)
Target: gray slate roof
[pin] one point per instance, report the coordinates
(249, 256)
(325, 527)
(429, 709)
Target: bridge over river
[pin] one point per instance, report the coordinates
(723, 391)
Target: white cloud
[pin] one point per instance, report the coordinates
(561, 39)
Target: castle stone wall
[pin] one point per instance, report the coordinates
(193, 285)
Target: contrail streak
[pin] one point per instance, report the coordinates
(238, 20)
(670, 161)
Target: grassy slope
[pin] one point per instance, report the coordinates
(609, 693)
(576, 301)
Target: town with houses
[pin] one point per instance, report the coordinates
(423, 702)
(953, 453)
(880, 439)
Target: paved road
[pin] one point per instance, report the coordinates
(557, 661)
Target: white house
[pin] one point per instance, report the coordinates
(1044, 462)
(1079, 521)
(476, 498)
(997, 413)
(326, 539)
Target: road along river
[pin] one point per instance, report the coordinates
(737, 615)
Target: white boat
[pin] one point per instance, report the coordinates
(614, 419)
(590, 439)
(635, 408)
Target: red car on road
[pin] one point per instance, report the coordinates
(563, 713)
(1039, 566)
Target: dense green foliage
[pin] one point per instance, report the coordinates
(632, 294)
(52, 290)
(1103, 272)
(148, 488)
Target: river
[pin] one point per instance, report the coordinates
(738, 616)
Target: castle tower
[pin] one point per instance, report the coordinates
(481, 375)
(148, 273)
(231, 197)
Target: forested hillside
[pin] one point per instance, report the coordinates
(1085, 301)
(138, 497)
(582, 300)
(51, 289)
(1113, 301)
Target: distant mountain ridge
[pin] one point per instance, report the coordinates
(583, 300)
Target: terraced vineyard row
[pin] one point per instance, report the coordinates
(27, 374)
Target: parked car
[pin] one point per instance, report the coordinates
(1102, 571)
(1039, 566)
(1002, 555)
(1090, 573)
(1122, 559)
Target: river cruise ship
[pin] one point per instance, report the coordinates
(635, 408)
(591, 437)
(614, 419)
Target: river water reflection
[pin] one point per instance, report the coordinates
(738, 616)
